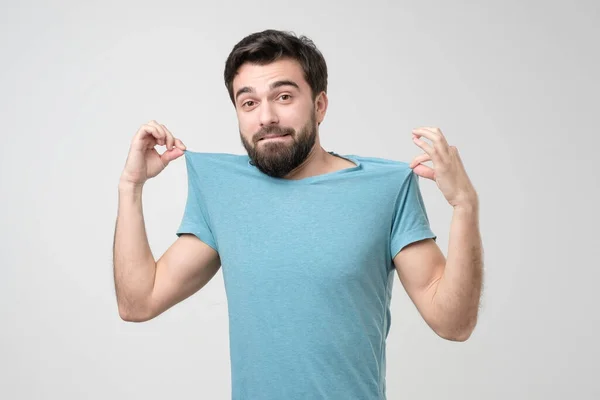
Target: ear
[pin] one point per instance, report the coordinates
(321, 103)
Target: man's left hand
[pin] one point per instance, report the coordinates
(448, 171)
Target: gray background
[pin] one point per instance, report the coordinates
(514, 85)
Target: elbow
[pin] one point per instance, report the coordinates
(128, 314)
(131, 317)
(461, 336)
(460, 333)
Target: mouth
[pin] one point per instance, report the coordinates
(272, 137)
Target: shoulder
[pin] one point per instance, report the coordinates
(208, 161)
(380, 162)
(201, 156)
(211, 171)
(396, 169)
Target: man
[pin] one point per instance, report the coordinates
(308, 239)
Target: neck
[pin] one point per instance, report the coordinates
(318, 162)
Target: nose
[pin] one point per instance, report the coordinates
(268, 115)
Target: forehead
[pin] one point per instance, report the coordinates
(260, 76)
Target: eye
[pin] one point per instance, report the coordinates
(285, 97)
(248, 103)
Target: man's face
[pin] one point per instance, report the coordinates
(278, 120)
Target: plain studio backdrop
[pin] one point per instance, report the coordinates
(514, 85)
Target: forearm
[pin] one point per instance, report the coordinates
(456, 299)
(134, 264)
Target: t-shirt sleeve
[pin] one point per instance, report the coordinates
(196, 219)
(410, 222)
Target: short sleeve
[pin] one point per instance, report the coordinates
(410, 222)
(196, 219)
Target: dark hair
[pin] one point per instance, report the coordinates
(271, 45)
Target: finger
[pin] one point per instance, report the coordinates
(146, 133)
(424, 171)
(164, 136)
(180, 144)
(176, 142)
(156, 133)
(170, 138)
(433, 134)
(420, 159)
(437, 140)
(171, 155)
(425, 146)
(434, 130)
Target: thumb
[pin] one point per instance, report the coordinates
(424, 171)
(171, 155)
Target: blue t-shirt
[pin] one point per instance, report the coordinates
(308, 270)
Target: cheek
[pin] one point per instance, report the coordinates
(246, 125)
(295, 118)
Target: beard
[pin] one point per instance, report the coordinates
(279, 158)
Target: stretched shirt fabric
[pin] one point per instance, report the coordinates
(308, 270)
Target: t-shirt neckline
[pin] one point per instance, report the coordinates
(326, 175)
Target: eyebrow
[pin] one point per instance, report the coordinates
(274, 85)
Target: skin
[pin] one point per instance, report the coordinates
(276, 99)
(446, 292)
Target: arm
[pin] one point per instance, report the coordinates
(146, 288)
(446, 292)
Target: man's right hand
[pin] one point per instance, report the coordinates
(144, 161)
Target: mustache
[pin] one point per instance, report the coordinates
(272, 130)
